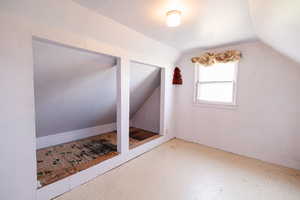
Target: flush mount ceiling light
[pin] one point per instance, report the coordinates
(173, 18)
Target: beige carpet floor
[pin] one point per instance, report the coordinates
(179, 170)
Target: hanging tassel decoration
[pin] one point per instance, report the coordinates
(177, 80)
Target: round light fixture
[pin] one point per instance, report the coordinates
(173, 18)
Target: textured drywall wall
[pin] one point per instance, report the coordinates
(64, 22)
(265, 125)
(17, 146)
(148, 116)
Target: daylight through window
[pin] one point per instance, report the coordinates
(216, 84)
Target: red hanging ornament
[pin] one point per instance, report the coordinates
(177, 80)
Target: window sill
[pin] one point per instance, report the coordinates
(215, 105)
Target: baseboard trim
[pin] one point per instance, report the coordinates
(282, 162)
(60, 138)
(67, 184)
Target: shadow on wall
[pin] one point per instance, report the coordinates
(142, 90)
(76, 89)
(145, 96)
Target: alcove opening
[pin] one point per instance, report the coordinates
(75, 109)
(145, 103)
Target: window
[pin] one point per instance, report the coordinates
(216, 84)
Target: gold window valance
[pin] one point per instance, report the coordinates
(209, 58)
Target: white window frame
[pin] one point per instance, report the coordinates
(217, 104)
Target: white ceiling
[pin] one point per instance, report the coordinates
(277, 23)
(205, 23)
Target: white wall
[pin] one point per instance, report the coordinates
(144, 79)
(77, 89)
(17, 146)
(73, 89)
(63, 22)
(265, 125)
(55, 139)
(148, 116)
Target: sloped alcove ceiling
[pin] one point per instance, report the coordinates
(210, 23)
(76, 89)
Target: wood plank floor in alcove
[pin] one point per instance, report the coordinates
(57, 162)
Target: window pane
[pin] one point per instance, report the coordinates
(217, 92)
(218, 72)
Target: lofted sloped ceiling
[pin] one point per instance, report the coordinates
(210, 23)
(277, 23)
(76, 89)
(204, 22)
